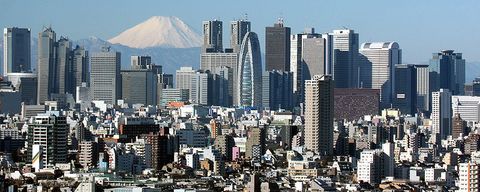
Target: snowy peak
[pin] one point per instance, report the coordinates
(159, 31)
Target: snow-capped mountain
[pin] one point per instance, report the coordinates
(159, 31)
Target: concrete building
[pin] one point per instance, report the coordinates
(238, 30)
(183, 77)
(105, 78)
(313, 57)
(441, 115)
(87, 154)
(139, 86)
(277, 90)
(49, 132)
(201, 88)
(255, 146)
(277, 47)
(423, 88)
(169, 95)
(458, 126)
(80, 66)
(467, 106)
(468, 177)
(10, 98)
(345, 58)
(27, 84)
(319, 108)
(447, 71)
(64, 66)
(212, 36)
(249, 73)
(46, 67)
(225, 65)
(296, 56)
(16, 50)
(377, 68)
(369, 166)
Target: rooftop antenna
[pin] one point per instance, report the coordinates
(245, 16)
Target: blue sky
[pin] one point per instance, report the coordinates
(421, 27)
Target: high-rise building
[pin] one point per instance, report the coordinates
(27, 84)
(16, 50)
(296, 55)
(319, 114)
(216, 63)
(255, 146)
(169, 95)
(140, 62)
(345, 58)
(377, 68)
(50, 132)
(447, 71)
(458, 126)
(467, 106)
(64, 66)
(249, 73)
(46, 67)
(468, 177)
(105, 78)
(183, 77)
(225, 143)
(405, 92)
(81, 71)
(239, 29)
(277, 90)
(212, 36)
(223, 90)
(441, 115)
(313, 57)
(139, 86)
(277, 47)
(201, 88)
(476, 87)
(423, 88)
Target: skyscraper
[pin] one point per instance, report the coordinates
(423, 90)
(447, 71)
(201, 88)
(105, 79)
(319, 114)
(80, 66)
(212, 36)
(249, 73)
(46, 67)
(183, 77)
(313, 57)
(377, 68)
(277, 47)
(239, 29)
(216, 63)
(277, 90)
(441, 115)
(16, 50)
(405, 93)
(64, 66)
(345, 56)
(140, 62)
(296, 56)
(139, 86)
(50, 132)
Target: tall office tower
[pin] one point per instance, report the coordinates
(423, 90)
(105, 78)
(81, 73)
(277, 47)
(377, 66)
(64, 66)
(405, 92)
(441, 115)
(277, 90)
(183, 77)
(249, 73)
(468, 176)
(140, 62)
(201, 88)
(467, 106)
(139, 86)
(239, 29)
(16, 50)
(167, 80)
(255, 145)
(345, 58)
(46, 66)
(447, 71)
(223, 90)
(50, 132)
(225, 143)
(296, 55)
(212, 36)
(26, 83)
(214, 62)
(319, 114)
(313, 58)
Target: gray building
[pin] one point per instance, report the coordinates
(46, 67)
(223, 90)
(10, 98)
(183, 78)
(345, 56)
(212, 36)
(238, 30)
(16, 50)
(201, 88)
(140, 62)
(169, 95)
(277, 47)
(27, 84)
(80, 66)
(405, 93)
(139, 86)
(423, 88)
(64, 66)
(447, 71)
(249, 73)
(105, 79)
(313, 60)
(216, 63)
(277, 90)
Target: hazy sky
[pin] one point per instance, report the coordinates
(421, 27)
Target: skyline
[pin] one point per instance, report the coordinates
(398, 21)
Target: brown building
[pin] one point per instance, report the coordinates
(351, 104)
(458, 126)
(132, 127)
(163, 147)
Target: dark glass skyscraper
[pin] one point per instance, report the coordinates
(212, 36)
(238, 30)
(277, 90)
(405, 91)
(447, 71)
(249, 90)
(277, 47)
(46, 66)
(16, 53)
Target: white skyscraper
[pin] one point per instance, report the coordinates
(441, 115)
(423, 87)
(377, 67)
(183, 77)
(467, 106)
(249, 73)
(105, 79)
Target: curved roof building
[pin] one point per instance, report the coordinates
(249, 72)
